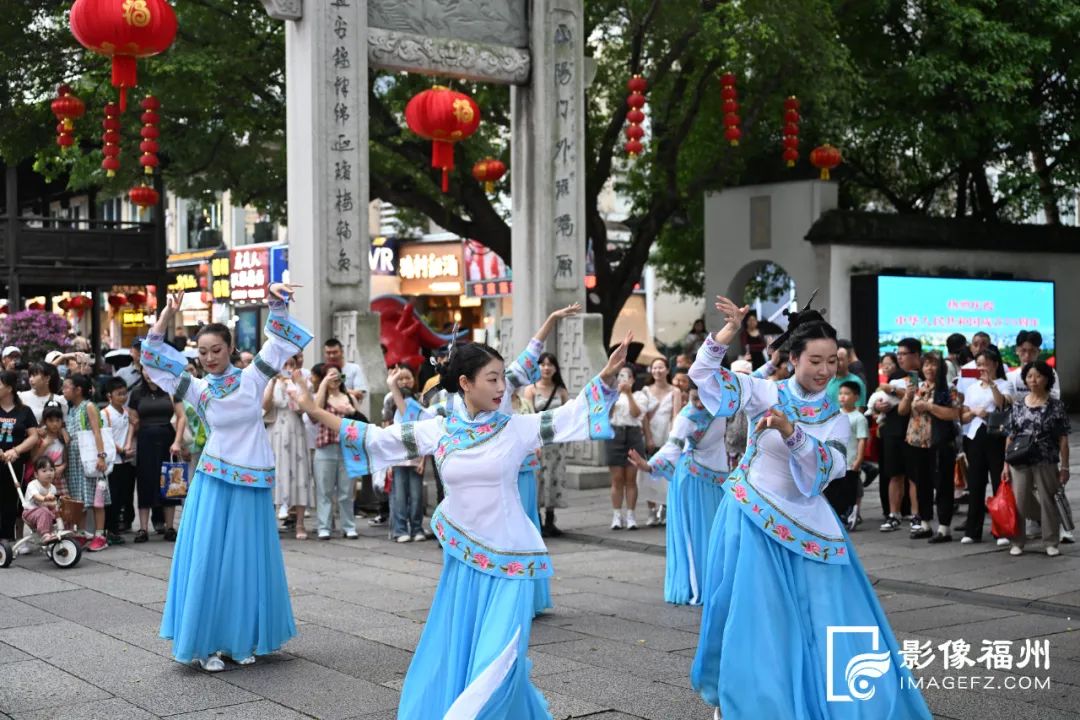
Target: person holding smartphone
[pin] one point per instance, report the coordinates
(894, 434)
(984, 445)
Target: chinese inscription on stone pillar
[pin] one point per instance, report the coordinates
(342, 224)
(566, 225)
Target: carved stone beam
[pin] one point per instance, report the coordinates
(451, 58)
(284, 9)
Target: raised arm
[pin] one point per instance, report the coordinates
(664, 461)
(164, 363)
(284, 337)
(723, 392)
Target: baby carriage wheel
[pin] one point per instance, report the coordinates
(65, 553)
(6, 554)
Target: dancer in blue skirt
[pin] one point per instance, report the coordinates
(227, 590)
(791, 627)
(695, 464)
(471, 661)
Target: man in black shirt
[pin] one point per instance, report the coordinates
(894, 432)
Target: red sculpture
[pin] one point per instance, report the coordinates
(404, 333)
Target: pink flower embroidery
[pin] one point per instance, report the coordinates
(840, 551)
(809, 412)
(484, 428)
(515, 568)
(756, 509)
(482, 560)
(208, 467)
(740, 493)
(811, 547)
(744, 467)
(453, 542)
(352, 432)
(231, 380)
(783, 532)
(248, 478)
(543, 566)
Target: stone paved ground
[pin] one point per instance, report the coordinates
(82, 643)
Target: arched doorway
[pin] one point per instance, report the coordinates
(769, 290)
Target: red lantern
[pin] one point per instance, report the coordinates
(149, 146)
(63, 304)
(80, 303)
(3, 309)
(825, 158)
(144, 196)
(637, 85)
(123, 30)
(489, 171)
(117, 301)
(111, 140)
(731, 118)
(445, 117)
(791, 131)
(137, 299)
(36, 305)
(66, 107)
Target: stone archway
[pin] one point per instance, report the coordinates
(768, 309)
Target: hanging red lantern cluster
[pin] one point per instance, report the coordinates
(80, 303)
(825, 158)
(137, 299)
(36, 305)
(149, 133)
(489, 171)
(791, 131)
(144, 197)
(3, 309)
(67, 108)
(635, 116)
(117, 301)
(730, 96)
(444, 117)
(123, 30)
(63, 304)
(111, 139)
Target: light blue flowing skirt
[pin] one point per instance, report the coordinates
(692, 503)
(528, 491)
(471, 661)
(227, 590)
(763, 645)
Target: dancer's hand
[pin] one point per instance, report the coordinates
(639, 462)
(775, 419)
(616, 361)
(283, 291)
(733, 316)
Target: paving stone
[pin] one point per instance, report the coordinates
(9, 654)
(313, 689)
(351, 655)
(547, 664)
(21, 582)
(96, 610)
(350, 591)
(1013, 627)
(405, 637)
(631, 694)
(630, 632)
(125, 585)
(1048, 585)
(544, 632)
(899, 602)
(107, 709)
(343, 616)
(34, 685)
(259, 710)
(663, 614)
(16, 613)
(611, 655)
(563, 707)
(942, 617)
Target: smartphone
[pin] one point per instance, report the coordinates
(913, 377)
(972, 373)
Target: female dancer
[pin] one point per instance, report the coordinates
(694, 460)
(782, 573)
(471, 662)
(227, 590)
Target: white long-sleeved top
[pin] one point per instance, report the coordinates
(698, 436)
(238, 450)
(778, 482)
(481, 522)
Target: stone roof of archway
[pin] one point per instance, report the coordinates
(872, 229)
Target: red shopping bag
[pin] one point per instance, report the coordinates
(1002, 507)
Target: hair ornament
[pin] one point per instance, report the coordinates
(797, 318)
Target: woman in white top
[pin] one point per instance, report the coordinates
(660, 415)
(288, 438)
(45, 389)
(471, 659)
(985, 452)
(631, 433)
(550, 393)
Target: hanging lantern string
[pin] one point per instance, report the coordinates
(635, 116)
(730, 96)
(111, 140)
(149, 133)
(791, 131)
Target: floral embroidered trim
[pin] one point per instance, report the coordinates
(692, 468)
(808, 412)
(662, 467)
(353, 438)
(152, 357)
(264, 367)
(413, 411)
(713, 348)
(600, 398)
(462, 435)
(525, 370)
(837, 445)
(236, 474)
(531, 463)
(282, 326)
(547, 427)
(701, 419)
(510, 565)
(183, 385)
(796, 440)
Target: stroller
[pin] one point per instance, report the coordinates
(65, 549)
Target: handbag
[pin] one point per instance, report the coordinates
(1002, 508)
(1021, 450)
(995, 423)
(174, 479)
(1064, 510)
(88, 452)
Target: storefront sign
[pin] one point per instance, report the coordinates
(489, 289)
(279, 264)
(132, 318)
(486, 274)
(250, 274)
(219, 274)
(431, 269)
(383, 258)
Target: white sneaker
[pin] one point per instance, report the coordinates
(631, 521)
(25, 549)
(324, 534)
(966, 540)
(1003, 542)
(1052, 551)
(351, 535)
(283, 512)
(1016, 550)
(1066, 536)
(661, 515)
(211, 664)
(653, 520)
(716, 715)
(616, 520)
(403, 539)
(419, 537)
